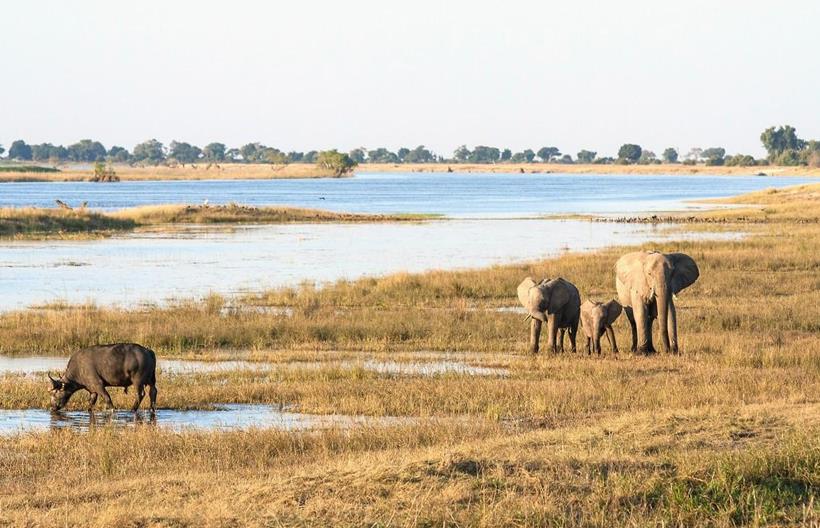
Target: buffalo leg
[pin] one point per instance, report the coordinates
(106, 397)
(152, 395)
(140, 396)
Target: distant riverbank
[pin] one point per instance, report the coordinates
(256, 171)
(589, 168)
(40, 223)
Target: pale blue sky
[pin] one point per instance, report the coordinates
(309, 74)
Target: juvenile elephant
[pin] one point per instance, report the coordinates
(646, 282)
(597, 319)
(555, 302)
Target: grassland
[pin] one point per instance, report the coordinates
(582, 168)
(726, 434)
(202, 171)
(238, 171)
(38, 223)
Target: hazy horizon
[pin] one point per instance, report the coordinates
(585, 75)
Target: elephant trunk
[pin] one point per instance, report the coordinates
(662, 300)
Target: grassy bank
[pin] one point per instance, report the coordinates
(34, 223)
(202, 171)
(724, 435)
(240, 171)
(581, 168)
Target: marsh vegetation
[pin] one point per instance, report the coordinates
(724, 434)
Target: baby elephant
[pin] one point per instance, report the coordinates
(101, 366)
(597, 318)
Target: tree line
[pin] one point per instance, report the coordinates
(782, 145)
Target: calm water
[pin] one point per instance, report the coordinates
(37, 365)
(150, 267)
(459, 195)
(226, 417)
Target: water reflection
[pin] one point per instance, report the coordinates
(225, 417)
(33, 366)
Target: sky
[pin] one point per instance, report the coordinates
(302, 75)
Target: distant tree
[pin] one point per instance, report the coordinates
(19, 150)
(694, 155)
(484, 154)
(629, 153)
(251, 152)
(714, 155)
(232, 154)
(778, 140)
(529, 155)
(214, 152)
(184, 152)
(519, 157)
(274, 156)
(151, 151)
(338, 162)
(419, 155)
(740, 160)
(566, 159)
(357, 155)
(382, 155)
(310, 157)
(402, 153)
(86, 150)
(670, 155)
(118, 154)
(296, 157)
(461, 154)
(2, 150)
(506, 154)
(104, 173)
(49, 152)
(547, 154)
(586, 156)
(647, 157)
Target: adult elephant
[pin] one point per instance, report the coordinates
(646, 282)
(555, 302)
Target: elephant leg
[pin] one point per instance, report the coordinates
(589, 346)
(672, 328)
(535, 335)
(552, 331)
(610, 334)
(573, 336)
(560, 341)
(643, 322)
(630, 316)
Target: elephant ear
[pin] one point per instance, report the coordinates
(684, 271)
(613, 310)
(559, 296)
(524, 291)
(629, 270)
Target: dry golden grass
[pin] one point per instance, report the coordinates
(581, 168)
(41, 223)
(235, 213)
(724, 435)
(240, 171)
(200, 171)
(32, 222)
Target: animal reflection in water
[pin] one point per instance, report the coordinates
(83, 421)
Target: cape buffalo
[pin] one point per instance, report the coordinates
(101, 366)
